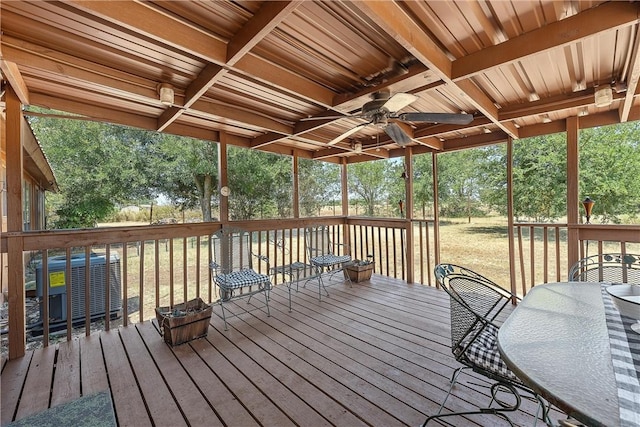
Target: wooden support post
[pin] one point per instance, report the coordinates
(572, 191)
(510, 214)
(296, 186)
(345, 187)
(223, 178)
(15, 247)
(345, 203)
(408, 161)
(436, 208)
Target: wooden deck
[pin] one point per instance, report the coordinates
(375, 354)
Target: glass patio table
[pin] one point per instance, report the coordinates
(557, 342)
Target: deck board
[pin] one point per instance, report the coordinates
(157, 395)
(66, 384)
(376, 353)
(14, 374)
(38, 382)
(93, 372)
(192, 404)
(129, 403)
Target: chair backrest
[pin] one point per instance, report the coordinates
(474, 299)
(231, 250)
(318, 241)
(611, 268)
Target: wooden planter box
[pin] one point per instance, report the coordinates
(358, 273)
(184, 322)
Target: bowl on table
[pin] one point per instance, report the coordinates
(626, 298)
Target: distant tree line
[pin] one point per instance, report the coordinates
(101, 167)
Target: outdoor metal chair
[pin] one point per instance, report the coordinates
(477, 306)
(610, 268)
(325, 255)
(232, 268)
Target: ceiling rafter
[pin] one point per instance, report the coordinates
(262, 23)
(205, 46)
(632, 80)
(395, 22)
(604, 17)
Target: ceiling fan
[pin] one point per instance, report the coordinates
(383, 111)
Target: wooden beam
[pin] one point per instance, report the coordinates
(475, 141)
(12, 74)
(261, 24)
(592, 120)
(198, 87)
(144, 19)
(58, 63)
(270, 15)
(632, 80)
(604, 17)
(247, 118)
(555, 103)
(94, 111)
(393, 19)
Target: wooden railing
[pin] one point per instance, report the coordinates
(168, 264)
(164, 265)
(541, 254)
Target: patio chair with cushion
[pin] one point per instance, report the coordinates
(610, 268)
(325, 255)
(477, 306)
(232, 268)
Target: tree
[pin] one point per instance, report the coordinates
(609, 168)
(185, 170)
(422, 182)
(367, 181)
(459, 182)
(260, 183)
(319, 184)
(95, 167)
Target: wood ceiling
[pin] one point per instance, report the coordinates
(249, 72)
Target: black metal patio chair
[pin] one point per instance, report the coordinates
(609, 267)
(232, 268)
(325, 255)
(477, 306)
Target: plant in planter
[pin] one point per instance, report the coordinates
(359, 270)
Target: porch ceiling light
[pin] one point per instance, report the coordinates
(165, 90)
(546, 118)
(604, 96)
(357, 147)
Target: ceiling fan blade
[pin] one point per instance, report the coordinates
(346, 134)
(396, 133)
(304, 119)
(448, 118)
(398, 101)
